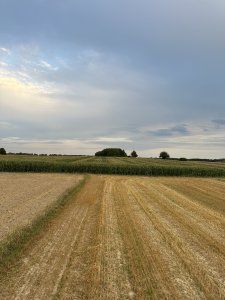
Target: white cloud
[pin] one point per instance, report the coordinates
(134, 82)
(58, 146)
(3, 64)
(6, 125)
(47, 65)
(23, 101)
(113, 140)
(5, 50)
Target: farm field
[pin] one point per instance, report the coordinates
(22, 198)
(129, 237)
(111, 165)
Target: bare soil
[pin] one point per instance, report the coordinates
(129, 238)
(25, 196)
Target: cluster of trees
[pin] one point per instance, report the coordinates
(2, 151)
(118, 152)
(111, 152)
(115, 152)
(121, 153)
(22, 153)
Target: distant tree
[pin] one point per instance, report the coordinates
(183, 159)
(134, 153)
(111, 152)
(164, 155)
(2, 151)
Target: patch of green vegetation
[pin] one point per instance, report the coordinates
(111, 165)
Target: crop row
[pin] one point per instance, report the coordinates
(120, 169)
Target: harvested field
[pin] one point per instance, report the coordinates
(24, 196)
(129, 238)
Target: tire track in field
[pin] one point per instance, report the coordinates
(79, 277)
(202, 190)
(80, 256)
(98, 256)
(125, 238)
(47, 259)
(195, 246)
(199, 193)
(113, 276)
(155, 271)
(204, 220)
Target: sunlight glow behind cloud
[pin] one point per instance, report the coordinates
(94, 74)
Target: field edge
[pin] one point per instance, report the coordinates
(12, 247)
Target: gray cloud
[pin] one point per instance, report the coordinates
(91, 70)
(219, 121)
(172, 131)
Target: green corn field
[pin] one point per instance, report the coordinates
(110, 165)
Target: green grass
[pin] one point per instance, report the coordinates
(110, 165)
(12, 247)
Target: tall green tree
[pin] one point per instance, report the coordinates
(164, 155)
(134, 153)
(2, 151)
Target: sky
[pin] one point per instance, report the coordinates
(77, 76)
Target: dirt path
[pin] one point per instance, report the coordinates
(23, 196)
(128, 238)
(45, 263)
(78, 257)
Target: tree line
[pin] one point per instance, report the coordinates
(117, 152)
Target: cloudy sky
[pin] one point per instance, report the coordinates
(77, 76)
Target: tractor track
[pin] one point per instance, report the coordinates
(128, 238)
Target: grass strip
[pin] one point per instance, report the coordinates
(12, 248)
